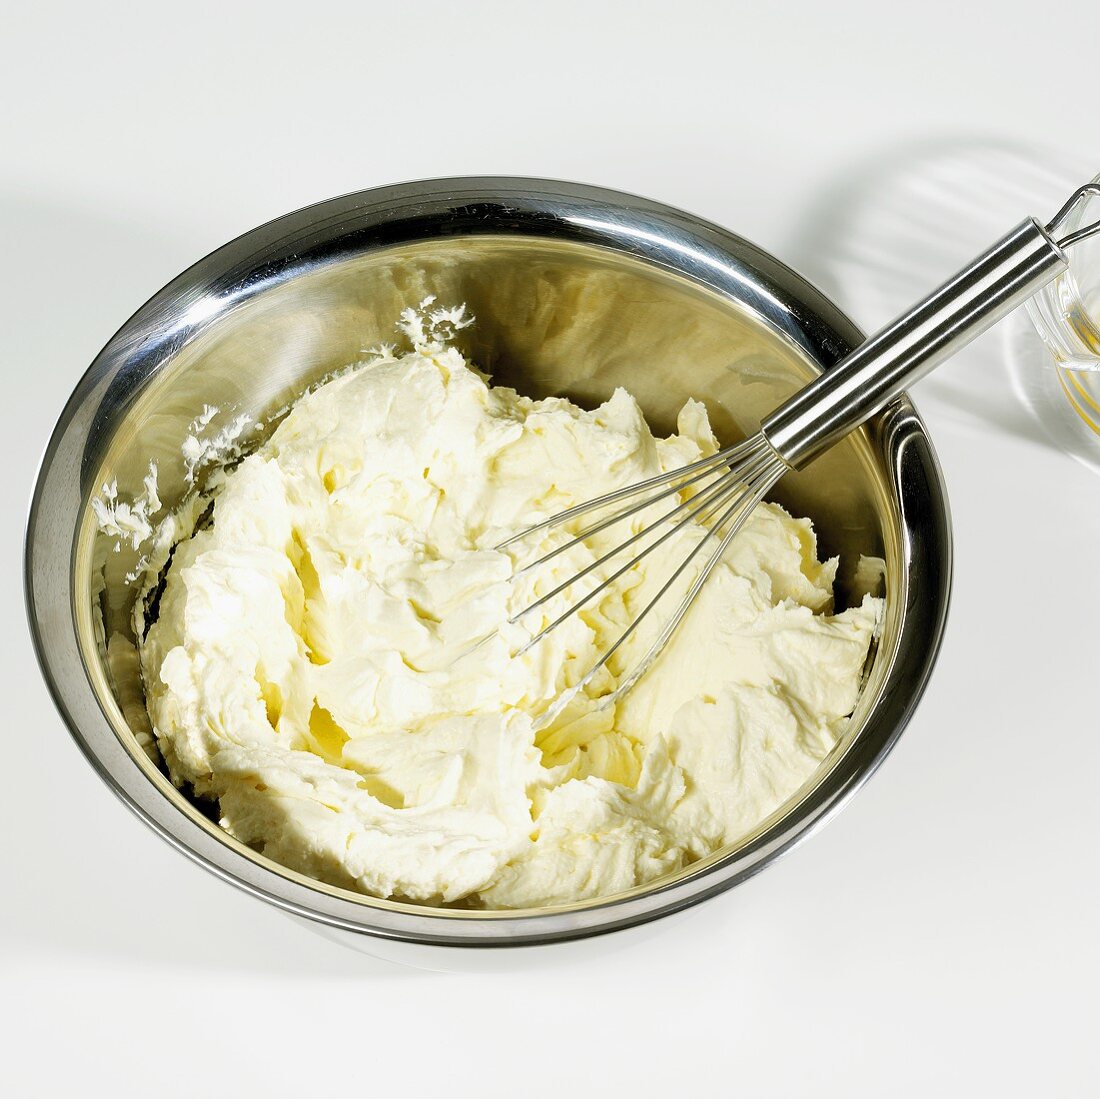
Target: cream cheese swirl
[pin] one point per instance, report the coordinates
(316, 664)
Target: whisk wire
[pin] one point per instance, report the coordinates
(704, 504)
(603, 524)
(728, 455)
(754, 486)
(747, 505)
(722, 486)
(731, 497)
(699, 500)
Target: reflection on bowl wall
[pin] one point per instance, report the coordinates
(576, 290)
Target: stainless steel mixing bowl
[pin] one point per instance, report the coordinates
(576, 290)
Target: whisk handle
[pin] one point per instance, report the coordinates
(861, 384)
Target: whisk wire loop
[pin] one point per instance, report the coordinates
(728, 501)
(747, 488)
(728, 455)
(726, 481)
(721, 488)
(674, 487)
(744, 508)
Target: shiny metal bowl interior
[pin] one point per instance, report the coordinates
(576, 290)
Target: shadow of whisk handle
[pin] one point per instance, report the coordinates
(907, 349)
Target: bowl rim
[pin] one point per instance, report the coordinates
(524, 207)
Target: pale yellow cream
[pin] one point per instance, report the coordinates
(333, 661)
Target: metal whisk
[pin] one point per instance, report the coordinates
(729, 484)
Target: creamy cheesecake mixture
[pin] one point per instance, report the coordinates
(333, 661)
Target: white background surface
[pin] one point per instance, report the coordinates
(940, 936)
